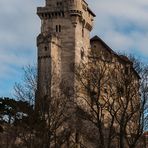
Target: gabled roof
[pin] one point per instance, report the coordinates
(120, 57)
(96, 38)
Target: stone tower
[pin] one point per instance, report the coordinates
(64, 40)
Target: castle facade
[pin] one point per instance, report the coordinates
(63, 43)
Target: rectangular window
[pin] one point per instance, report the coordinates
(59, 3)
(58, 28)
(82, 32)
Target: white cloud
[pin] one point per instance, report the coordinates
(19, 26)
(122, 24)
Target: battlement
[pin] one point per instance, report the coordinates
(46, 13)
(76, 10)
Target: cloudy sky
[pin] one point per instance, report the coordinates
(122, 24)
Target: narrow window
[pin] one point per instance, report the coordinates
(56, 28)
(82, 32)
(59, 3)
(46, 48)
(49, 16)
(59, 28)
(63, 14)
(82, 54)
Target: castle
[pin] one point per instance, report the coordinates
(65, 41)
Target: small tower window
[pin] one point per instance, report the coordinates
(59, 13)
(82, 53)
(46, 48)
(58, 28)
(63, 14)
(59, 3)
(82, 32)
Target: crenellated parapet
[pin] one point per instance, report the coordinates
(48, 39)
(46, 13)
(77, 10)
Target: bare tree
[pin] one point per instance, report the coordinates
(142, 70)
(47, 126)
(95, 89)
(127, 108)
(110, 92)
(26, 89)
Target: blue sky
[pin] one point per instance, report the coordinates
(122, 24)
